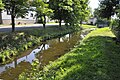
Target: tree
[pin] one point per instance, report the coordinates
(96, 12)
(1, 5)
(61, 9)
(116, 23)
(1, 8)
(84, 10)
(42, 10)
(80, 12)
(71, 11)
(107, 8)
(16, 8)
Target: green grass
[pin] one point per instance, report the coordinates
(13, 43)
(97, 57)
(4, 25)
(101, 32)
(88, 26)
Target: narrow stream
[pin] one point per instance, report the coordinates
(47, 51)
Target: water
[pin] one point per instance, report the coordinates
(47, 51)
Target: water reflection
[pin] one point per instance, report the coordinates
(4, 67)
(48, 51)
(29, 58)
(66, 37)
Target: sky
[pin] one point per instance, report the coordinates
(93, 4)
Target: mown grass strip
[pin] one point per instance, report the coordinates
(88, 26)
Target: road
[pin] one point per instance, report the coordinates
(22, 27)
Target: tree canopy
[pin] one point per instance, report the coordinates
(81, 10)
(107, 8)
(42, 10)
(70, 11)
(61, 9)
(1, 5)
(16, 8)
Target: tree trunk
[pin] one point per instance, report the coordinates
(44, 21)
(1, 22)
(13, 17)
(13, 22)
(60, 22)
(15, 63)
(81, 22)
(60, 17)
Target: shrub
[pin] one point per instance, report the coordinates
(116, 24)
(22, 40)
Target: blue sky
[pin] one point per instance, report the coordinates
(93, 4)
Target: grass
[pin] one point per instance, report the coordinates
(88, 26)
(96, 57)
(13, 43)
(4, 25)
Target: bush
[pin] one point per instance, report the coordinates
(116, 24)
(116, 28)
(12, 43)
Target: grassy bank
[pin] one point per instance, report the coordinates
(97, 57)
(88, 26)
(13, 44)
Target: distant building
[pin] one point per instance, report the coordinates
(29, 19)
(83, 22)
(92, 21)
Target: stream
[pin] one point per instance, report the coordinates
(49, 50)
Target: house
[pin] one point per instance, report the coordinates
(92, 21)
(30, 18)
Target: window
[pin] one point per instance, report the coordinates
(31, 15)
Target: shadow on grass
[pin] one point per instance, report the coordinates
(97, 58)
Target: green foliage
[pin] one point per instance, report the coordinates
(12, 44)
(80, 11)
(42, 10)
(107, 8)
(42, 7)
(18, 8)
(96, 12)
(61, 9)
(116, 23)
(90, 60)
(1, 5)
(34, 74)
(70, 11)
